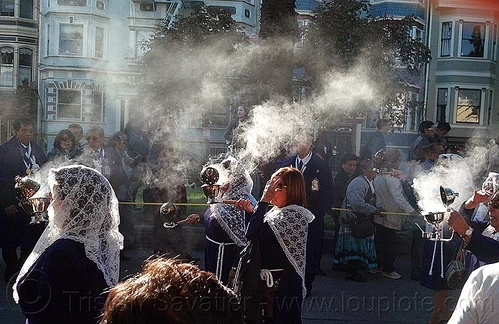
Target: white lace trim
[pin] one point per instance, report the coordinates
(290, 226)
(85, 210)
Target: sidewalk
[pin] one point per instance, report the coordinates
(333, 300)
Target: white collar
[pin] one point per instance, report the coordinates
(306, 159)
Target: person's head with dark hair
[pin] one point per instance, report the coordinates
(349, 163)
(442, 129)
(242, 112)
(77, 131)
(167, 291)
(119, 141)
(23, 128)
(65, 141)
(383, 125)
(95, 138)
(426, 128)
(292, 188)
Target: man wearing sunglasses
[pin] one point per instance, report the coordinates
(96, 155)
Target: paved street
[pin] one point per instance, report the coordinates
(334, 300)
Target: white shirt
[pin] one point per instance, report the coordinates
(479, 300)
(305, 160)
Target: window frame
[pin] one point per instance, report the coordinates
(490, 109)
(72, 5)
(484, 38)
(103, 40)
(13, 9)
(21, 77)
(481, 106)
(451, 40)
(58, 117)
(438, 115)
(8, 65)
(101, 118)
(82, 26)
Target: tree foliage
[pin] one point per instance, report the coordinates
(344, 35)
(186, 59)
(278, 34)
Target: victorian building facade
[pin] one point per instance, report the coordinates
(18, 58)
(462, 84)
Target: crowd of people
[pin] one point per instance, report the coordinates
(259, 253)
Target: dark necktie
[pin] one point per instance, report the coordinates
(300, 165)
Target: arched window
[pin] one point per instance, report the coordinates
(6, 66)
(25, 65)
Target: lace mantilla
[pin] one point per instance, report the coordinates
(85, 210)
(290, 226)
(231, 219)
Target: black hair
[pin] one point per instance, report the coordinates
(348, 157)
(23, 121)
(425, 125)
(445, 126)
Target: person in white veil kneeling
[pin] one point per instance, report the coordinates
(77, 257)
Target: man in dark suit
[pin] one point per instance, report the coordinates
(318, 184)
(18, 156)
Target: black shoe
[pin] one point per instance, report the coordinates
(319, 272)
(124, 257)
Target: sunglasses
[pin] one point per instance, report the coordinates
(494, 204)
(65, 139)
(92, 138)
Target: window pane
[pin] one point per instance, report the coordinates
(442, 104)
(25, 63)
(148, 7)
(27, 9)
(77, 3)
(71, 40)
(97, 109)
(468, 106)
(69, 104)
(224, 9)
(99, 42)
(446, 38)
(7, 8)
(473, 39)
(6, 66)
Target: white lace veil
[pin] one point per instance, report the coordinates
(290, 226)
(231, 219)
(491, 184)
(85, 210)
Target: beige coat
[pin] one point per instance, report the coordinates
(390, 197)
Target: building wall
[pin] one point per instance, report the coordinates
(462, 86)
(19, 51)
(89, 56)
